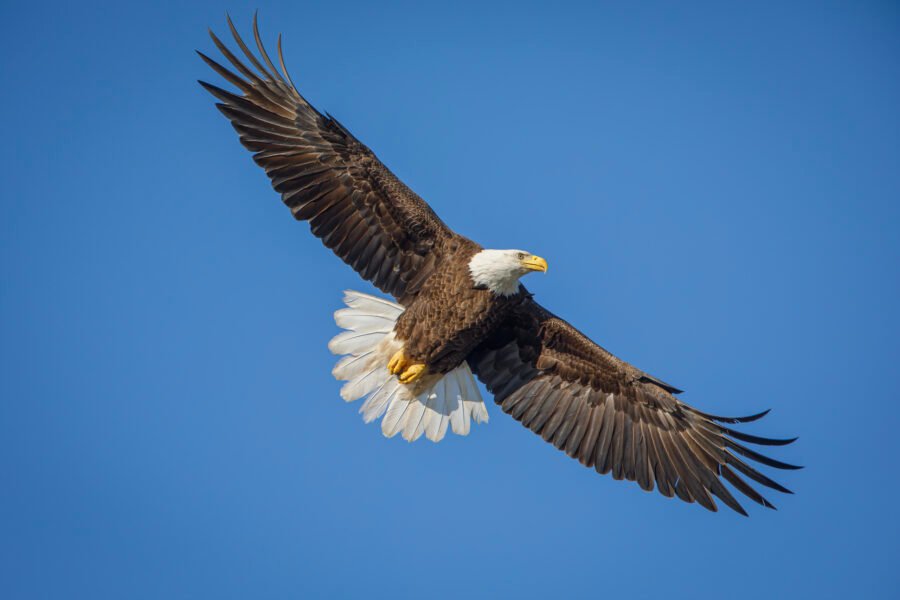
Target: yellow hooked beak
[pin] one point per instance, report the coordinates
(535, 263)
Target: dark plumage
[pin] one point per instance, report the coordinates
(542, 371)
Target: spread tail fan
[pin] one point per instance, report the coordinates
(429, 406)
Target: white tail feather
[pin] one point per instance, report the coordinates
(429, 406)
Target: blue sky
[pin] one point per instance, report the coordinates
(715, 186)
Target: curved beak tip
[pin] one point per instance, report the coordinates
(536, 263)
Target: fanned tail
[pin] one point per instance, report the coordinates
(429, 406)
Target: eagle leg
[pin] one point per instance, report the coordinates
(398, 363)
(413, 373)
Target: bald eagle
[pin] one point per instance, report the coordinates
(460, 312)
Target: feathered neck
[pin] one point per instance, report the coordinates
(497, 270)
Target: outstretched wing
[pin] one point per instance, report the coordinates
(358, 208)
(613, 417)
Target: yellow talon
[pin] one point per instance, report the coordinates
(398, 363)
(413, 373)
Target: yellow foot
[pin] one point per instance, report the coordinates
(413, 373)
(398, 363)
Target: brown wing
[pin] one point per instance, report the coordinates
(613, 417)
(359, 209)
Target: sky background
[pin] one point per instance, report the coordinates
(714, 185)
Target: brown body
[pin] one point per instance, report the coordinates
(450, 316)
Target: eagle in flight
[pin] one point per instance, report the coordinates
(460, 312)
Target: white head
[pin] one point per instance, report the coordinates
(499, 270)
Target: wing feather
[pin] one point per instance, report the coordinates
(327, 177)
(615, 418)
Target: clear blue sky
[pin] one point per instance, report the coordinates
(716, 188)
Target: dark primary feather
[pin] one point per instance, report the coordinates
(359, 209)
(613, 417)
